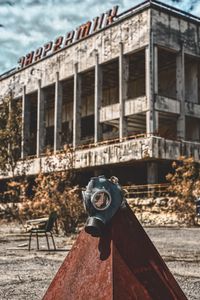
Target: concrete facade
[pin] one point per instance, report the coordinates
(127, 93)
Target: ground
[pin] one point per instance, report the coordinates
(27, 275)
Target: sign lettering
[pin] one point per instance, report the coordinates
(71, 37)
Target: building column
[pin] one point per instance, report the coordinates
(151, 75)
(149, 90)
(152, 172)
(198, 82)
(97, 100)
(180, 92)
(40, 120)
(155, 79)
(77, 107)
(123, 92)
(58, 114)
(25, 125)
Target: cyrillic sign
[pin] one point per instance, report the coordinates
(71, 37)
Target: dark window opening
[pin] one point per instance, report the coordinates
(107, 128)
(166, 74)
(49, 136)
(49, 93)
(136, 81)
(110, 83)
(67, 133)
(67, 111)
(31, 144)
(87, 126)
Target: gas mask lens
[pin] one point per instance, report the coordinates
(101, 200)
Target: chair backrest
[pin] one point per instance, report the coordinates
(198, 207)
(52, 219)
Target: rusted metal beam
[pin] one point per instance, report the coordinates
(123, 264)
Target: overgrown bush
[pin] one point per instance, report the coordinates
(54, 191)
(10, 133)
(185, 185)
(51, 193)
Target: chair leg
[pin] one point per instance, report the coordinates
(47, 240)
(53, 241)
(29, 244)
(37, 241)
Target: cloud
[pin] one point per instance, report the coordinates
(6, 3)
(185, 5)
(28, 24)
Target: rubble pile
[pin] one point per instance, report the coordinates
(163, 211)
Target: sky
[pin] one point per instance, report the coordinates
(26, 25)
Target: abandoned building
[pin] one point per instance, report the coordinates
(123, 91)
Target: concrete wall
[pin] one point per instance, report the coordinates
(159, 46)
(133, 32)
(172, 32)
(152, 148)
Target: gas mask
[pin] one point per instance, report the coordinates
(102, 199)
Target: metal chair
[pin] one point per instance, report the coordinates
(43, 228)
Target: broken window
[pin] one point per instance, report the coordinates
(49, 94)
(191, 79)
(87, 126)
(111, 130)
(136, 82)
(192, 129)
(67, 111)
(167, 126)
(30, 143)
(136, 124)
(110, 83)
(87, 106)
(166, 73)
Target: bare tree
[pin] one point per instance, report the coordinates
(10, 134)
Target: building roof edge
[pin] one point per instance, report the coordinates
(128, 13)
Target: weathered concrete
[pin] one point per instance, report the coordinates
(77, 108)
(97, 100)
(58, 114)
(131, 107)
(142, 75)
(120, 152)
(41, 132)
(192, 109)
(25, 124)
(165, 104)
(180, 88)
(123, 92)
(166, 149)
(149, 89)
(171, 31)
(191, 81)
(131, 31)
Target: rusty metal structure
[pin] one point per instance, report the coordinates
(126, 96)
(122, 264)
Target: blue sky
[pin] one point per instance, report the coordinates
(28, 24)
